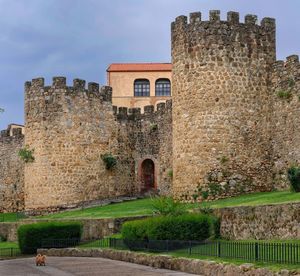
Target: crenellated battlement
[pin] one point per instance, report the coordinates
(233, 19)
(195, 35)
(59, 85)
(124, 113)
(290, 67)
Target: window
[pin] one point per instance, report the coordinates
(163, 87)
(141, 88)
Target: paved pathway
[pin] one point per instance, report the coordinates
(68, 266)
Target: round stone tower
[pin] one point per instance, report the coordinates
(68, 128)
(220, 87)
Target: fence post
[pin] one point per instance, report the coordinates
(190, 248)
(11, 252)
(256, 251)
(167, 245)
(219, 249)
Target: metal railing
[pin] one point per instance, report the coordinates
(281, 252)
(9, 252)
(59, 243)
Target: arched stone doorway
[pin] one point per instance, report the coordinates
(148, 175)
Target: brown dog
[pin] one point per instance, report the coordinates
(40, 260)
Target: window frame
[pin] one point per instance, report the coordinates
(165, 87)
(141, 88)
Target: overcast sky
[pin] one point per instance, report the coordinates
(80, 38)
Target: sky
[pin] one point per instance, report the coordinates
(80, 38)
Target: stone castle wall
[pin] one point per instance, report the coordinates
(221, 104)
(286, 118)
(231, 128)
(11, 171)
(148, 136)
(69, 128)
(269, 222)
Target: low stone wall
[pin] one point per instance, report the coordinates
(92, 228)
(261, 222)
(195, 266)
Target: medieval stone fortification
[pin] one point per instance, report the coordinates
(234, 126)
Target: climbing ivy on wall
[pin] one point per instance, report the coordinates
(109, 160)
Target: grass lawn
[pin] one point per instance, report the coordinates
(9, 245)
(255, 199)
(11, 217)
(144, 206)
(125, 209)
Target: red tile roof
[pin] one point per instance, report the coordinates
(139, 67)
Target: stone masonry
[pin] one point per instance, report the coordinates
(12, 171)
(232, 126)
(69, 129)
(221, 99)
(281, 222)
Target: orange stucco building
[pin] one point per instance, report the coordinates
(139, 84)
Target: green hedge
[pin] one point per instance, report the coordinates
(30, 236)
(185, 227)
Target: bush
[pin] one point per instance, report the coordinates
(167, 206)
(109, 160)
(26, 154)
(185, 227)
(3, 238)
(284, 94)
(135, 230)
(294, 178)
(30, 236)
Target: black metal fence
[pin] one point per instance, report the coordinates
(60, 243)
(283, 252)
(9, 252)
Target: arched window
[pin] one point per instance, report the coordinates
(163, 87)
(141, 88)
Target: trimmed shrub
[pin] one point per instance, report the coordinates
(135, 230)
(30, 236)
(294, 178)
(185, 227)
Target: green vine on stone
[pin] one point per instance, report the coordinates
(170, 173)
(284, 94)
(26, 154)
(153, 126)
(224, 159)
(109, 160)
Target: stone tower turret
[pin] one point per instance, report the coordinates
(220, 87)
(68, 128)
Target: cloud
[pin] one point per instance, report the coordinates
(80, 38)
